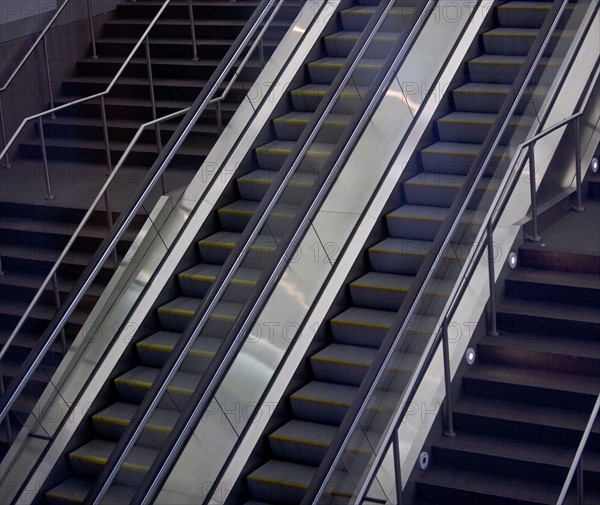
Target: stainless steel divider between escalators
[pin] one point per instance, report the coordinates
(219, 365)
(369, 430)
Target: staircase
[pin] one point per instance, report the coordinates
(526, 401)
(34, 232)
(287, 460)
(211, 250)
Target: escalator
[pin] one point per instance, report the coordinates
(283, 466)
(136, 372)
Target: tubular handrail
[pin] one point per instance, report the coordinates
(95, 95)
(116, 232)
(228, 349)
(417, 290)
(576, 464)
(114, 173)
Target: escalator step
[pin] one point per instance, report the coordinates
(379, 290)
(322, 402)
(301, 442)
(217, 247)
(272, 156)
(324, 70)
(473, 127)
(523, 14)
(74, 490)
(360, 326)
(291, 125)
(176, 314)
(341, 43)
(197, 280)
(280, 482)
(308, 97)
(254, 185)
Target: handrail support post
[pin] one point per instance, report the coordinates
(109, 165)
(49, 195)
(193, 31)
(577, 128)
(7, 163)
(92, 32)
(48, 78)
(449, 428)
(493, 325)
(580, 490)
(532, 186)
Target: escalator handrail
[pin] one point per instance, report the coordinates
(227, 351)
(417, 290)
(114, 235)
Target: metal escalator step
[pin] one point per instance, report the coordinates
(380, 290)
(472, 127)
(271, 156)
(356, 18)
(438, 189)
(254, 185)
(341, 43)
(133, 385)
(488, 97)
(399, 255)
(509, 41)
(324, 70)
(280, 482)
(422, 222)
(495, 68)
(308, 97)
(217, 247)
(176, 314)
(322, 402)
(89, 459)
(301, 442)
(155, 350)
(197, 280)
(110, 423)
(360, 326)
(523, 14)
(348, 364)
(235, 216)
(74, 490)
(291, 125)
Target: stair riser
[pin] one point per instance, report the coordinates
(217, 254)
(589, 297)
(172, 30)
(155, 358)
(560, 261)
(418, 193)
(159, 70)
(351, 375)
(471, 133)
(357, 22)
(91, 155)
(274, 161)
(527, 394)
(560, 363)
(329, 133)
(297, 452)
(345, 104)
(514, 46)
(141, 91)
(342, 46)
(445, 495)
(546, 325)
(269, 492)
(149, 438)
(320, 74)
(45, 262)
(175, 400)
(224, 11)
(256, 190)
(500, 74)
(87, 468)
(490, 100)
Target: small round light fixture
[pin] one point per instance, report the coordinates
(423, 460)
(595, 165)
(513, 260)
(470, 356)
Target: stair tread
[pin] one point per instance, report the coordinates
(143, 376)
(208, 273)
(304, 118)
(353, 355)
(482, 119)
(431, 213)
(187, 306)
(285, 147)
(228, 239)
(165, 341)
(284, 473)
(384, 282)
(454, 182)
(517, 450)
(248, 207)
(75, 489)
(359, 316)
(355, 35)
(529, 377)
(305, 432)
(539, 415)
(584, 348)
(552, 310)
(300, 179)
(121, 413)
(33, 281)
(97, 452)
(493, 485)
(556, 278)
(322, 89)
(326, 392)
(338, 62)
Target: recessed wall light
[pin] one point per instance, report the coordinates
(513, 260)
(470, 356)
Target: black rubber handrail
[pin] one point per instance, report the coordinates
(114, 235)
(416, 292)
(226, 353)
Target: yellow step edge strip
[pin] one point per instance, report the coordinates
(208, 278)
(360, 325)
(342, 362)
(276, 482)
(333, 403)
(300, 441)
(391, 251)
(287, 152)
(266, 182)
(124, 423)
(378, 288)
(169, 348)
(190, 313)
(146, 385)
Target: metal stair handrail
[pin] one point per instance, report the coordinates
(365, 393)
(104, 251)
(101, 95)
(41, 38)
(576, 465)
(227, 351)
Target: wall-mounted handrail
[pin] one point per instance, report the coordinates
(219, 364)
(577, 464)
(434, 257)
(114, 235)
